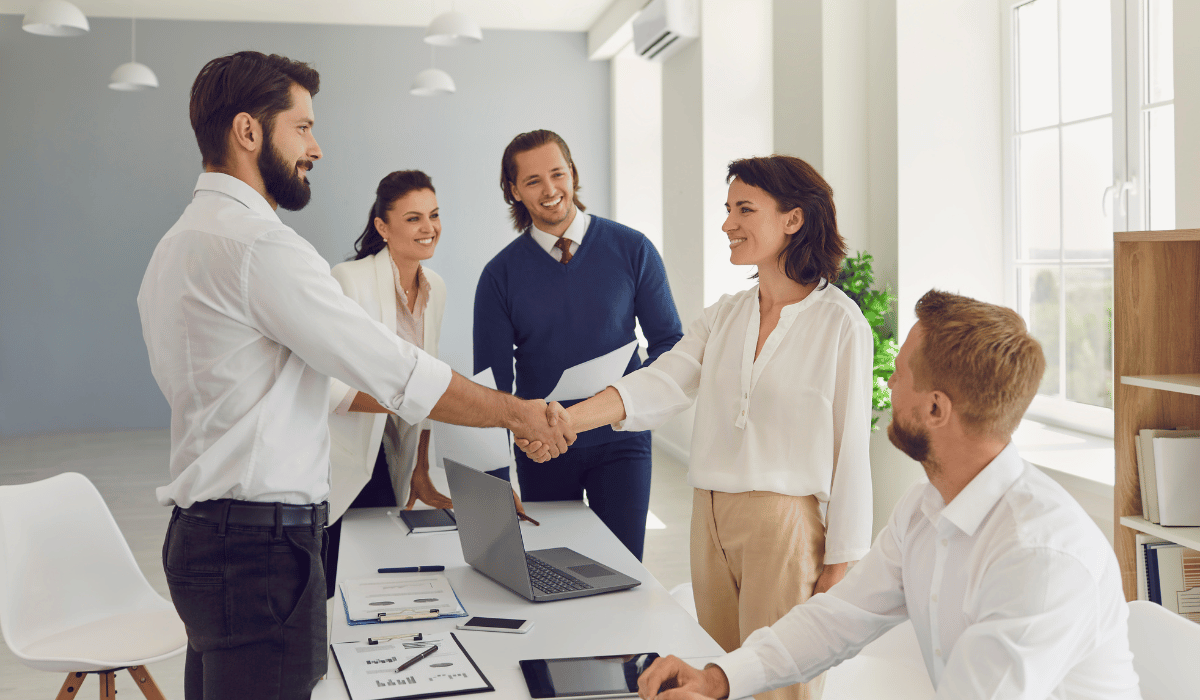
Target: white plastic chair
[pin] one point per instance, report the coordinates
(1165, 647)
(72, 598)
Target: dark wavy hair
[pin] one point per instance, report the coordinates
(246, 81)
(815, 251)
(508, 172)
(392, 187)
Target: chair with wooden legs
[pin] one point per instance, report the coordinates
(72, 598)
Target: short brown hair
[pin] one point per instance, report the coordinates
(508, 172)
(246, 81)
(982, 356)
(815, 251)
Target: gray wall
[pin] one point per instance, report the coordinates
(91, 178)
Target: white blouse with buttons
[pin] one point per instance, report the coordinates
(794, 421)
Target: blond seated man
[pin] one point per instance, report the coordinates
(1012, 589)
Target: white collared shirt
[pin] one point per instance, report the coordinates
(1012, 590)
(575, 232)
(796, 420)
(244, 326)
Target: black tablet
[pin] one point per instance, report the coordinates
(585, 677)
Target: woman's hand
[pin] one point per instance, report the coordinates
(421, 486)
(830, 576)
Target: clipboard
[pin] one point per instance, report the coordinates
(429, 599)
(368, 671)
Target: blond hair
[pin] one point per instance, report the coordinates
(982, 356)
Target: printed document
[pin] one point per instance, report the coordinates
(587, 379)
(370, 670)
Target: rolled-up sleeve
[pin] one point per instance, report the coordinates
(292, 298)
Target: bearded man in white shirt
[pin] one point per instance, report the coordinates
(1012, 590)
(244, 326)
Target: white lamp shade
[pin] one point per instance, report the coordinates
(55, 18)
(432, 82)
(453, 29)
(133, 76)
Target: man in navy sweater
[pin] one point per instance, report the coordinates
(566, 291)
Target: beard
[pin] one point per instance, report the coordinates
(911, 440)
(282, 179)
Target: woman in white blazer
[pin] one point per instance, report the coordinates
(376, 458)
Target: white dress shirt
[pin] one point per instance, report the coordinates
(574, 233)
(1012, 590)
(795, 421)
(244, 326)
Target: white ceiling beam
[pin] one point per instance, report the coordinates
(613, 29)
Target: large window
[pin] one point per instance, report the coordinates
(1090, 151)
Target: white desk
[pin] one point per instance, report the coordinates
(641, 619)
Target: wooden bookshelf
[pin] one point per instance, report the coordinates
(1156, 338)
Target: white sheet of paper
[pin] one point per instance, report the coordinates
(370, 670)
(587, 379)
(479, 448)
(367, 597)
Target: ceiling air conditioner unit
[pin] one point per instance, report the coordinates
(664, 27)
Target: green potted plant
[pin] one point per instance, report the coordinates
(877, 305)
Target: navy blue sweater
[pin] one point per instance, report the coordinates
(558, 316)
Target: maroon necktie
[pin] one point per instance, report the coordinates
(564, 244)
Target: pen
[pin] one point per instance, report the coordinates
(410, 569)
(417, 658)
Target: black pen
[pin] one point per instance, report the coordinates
(417, 658)
(410, 569)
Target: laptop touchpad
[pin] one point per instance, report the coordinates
(591, 570)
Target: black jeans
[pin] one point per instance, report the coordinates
(252, 599)
(616, 476)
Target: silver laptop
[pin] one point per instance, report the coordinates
(490, 534)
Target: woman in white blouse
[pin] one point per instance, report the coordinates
(781, 377)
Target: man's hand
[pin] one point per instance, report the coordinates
(684, 682)
(829, 577)
(548, 434)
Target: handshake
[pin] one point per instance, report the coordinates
(542, 431)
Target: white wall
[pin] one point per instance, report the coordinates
(637, 150)
(950, 160)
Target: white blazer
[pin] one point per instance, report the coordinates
(355, 437)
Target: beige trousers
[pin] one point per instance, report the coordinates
(755, 556)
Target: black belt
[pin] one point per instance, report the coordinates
(234, 512)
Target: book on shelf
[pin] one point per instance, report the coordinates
(1141, 539)
(1172, 576)
(1177, 468)
(1148, 472)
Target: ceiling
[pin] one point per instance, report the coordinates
(547, 15)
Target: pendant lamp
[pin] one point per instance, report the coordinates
(55, 18)
(132, 76)
(432, 81)
(453, 29)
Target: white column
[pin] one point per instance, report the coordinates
(1187, 113)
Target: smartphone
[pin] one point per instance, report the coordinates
(496, 624)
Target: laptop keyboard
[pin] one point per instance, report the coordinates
(547, 579)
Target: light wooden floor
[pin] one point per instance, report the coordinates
(127, 466)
